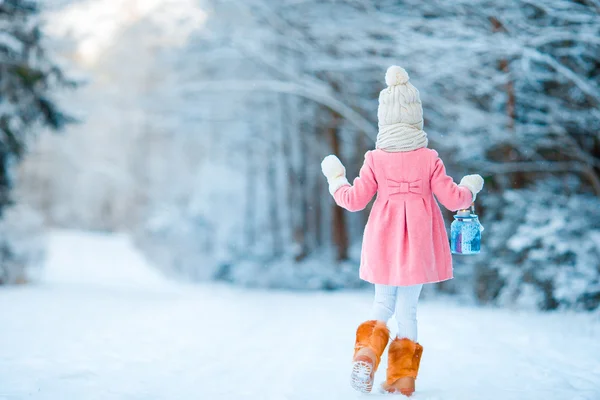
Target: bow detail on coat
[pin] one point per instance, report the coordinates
(405, 187)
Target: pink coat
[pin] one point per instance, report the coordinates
(405, 241)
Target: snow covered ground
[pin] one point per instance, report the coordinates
(103, 325)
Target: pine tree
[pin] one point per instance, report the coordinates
(27, 80)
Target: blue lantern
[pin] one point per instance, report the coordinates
(465, 232)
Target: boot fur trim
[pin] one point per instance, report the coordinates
(374, 335)
(404, 358)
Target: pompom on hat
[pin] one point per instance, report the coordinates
(400, 114)
(396, 75)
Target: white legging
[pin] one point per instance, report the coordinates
(403, 301)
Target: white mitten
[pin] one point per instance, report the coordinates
(472, 182)
(334, 171)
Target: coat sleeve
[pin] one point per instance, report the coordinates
(452, 196)
(357, 196)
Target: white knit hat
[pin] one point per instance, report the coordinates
(400, 114)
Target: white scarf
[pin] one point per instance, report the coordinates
(400, 137)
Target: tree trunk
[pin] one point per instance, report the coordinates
(287, 140)
(273, 198)
(4, 183)
(249, 228)
(340, 231)
(304, 191)
(317, 192)
(510, 155)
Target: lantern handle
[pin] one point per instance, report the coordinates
(481, 228)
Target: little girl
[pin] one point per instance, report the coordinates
(405, 243)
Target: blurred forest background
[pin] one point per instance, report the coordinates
(198, 126)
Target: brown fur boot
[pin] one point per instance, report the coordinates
(404, 358)
(371, 339)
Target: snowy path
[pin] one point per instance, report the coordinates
(104, 326)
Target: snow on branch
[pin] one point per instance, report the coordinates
(585, 87)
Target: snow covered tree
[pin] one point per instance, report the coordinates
(27, 80)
